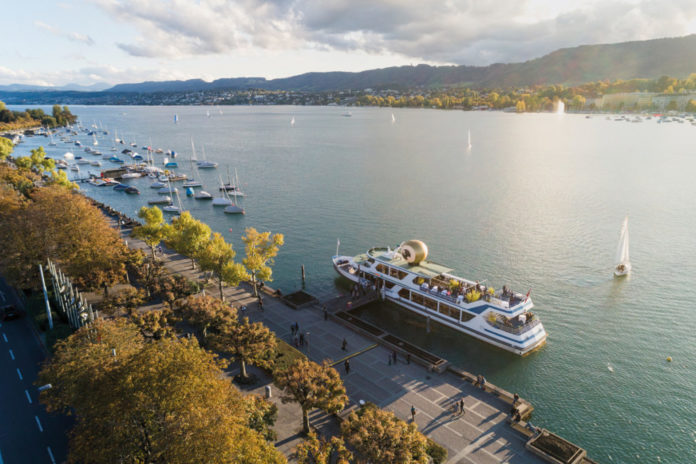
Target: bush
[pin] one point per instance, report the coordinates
(437, 452)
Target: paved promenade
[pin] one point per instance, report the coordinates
(480, 435)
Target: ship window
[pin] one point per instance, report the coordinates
(404, 293)
(371, 260)
(393, 272)
(417, 298)
(388, 284)
(466, 316)
(428, 303)
(449, 311)
(381, 268)
(401, 274)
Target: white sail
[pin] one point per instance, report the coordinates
(469, 145)
(622, 250)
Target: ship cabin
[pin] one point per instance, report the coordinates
(434, 286)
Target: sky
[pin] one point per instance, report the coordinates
(58, 42)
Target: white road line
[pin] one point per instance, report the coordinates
(5, 337)
(38, 422)
(19, 373)
(11, 356)
(28, 397)
(50, 454)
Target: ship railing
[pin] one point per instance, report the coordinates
(501, 324)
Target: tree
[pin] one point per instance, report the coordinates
(174, 287)
(380, 436)
(520, 106)
(156, 323)
(67, 228)
(6, 147)
(691, 106)
(314, 450)
(187, 236)
(672, 105)
(163, 401)
(37, 161)
(60, 178)
(313, 386)
(262, 416)
(251, 343)
(217, 256)
(207, 313)
(154, 230)
(261, 249)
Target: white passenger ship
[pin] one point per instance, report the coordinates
(404, 276)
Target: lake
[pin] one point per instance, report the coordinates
(536, 204)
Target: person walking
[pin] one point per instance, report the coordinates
(461, 406)
(347, 366)
(394, 358)
(326, 314)
(301, 339)
(344, 344)
(413, 413)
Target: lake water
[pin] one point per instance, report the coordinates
(536, 204)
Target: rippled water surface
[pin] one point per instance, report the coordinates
(537, 203)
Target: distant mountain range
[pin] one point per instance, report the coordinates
(675, 57)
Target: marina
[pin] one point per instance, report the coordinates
(549, 222)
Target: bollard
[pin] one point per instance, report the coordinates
(303, 274)
(269, 394)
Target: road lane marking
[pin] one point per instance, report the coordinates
(19, 373)
(38, 422)
(5, 337)
(11, 356)
(50, 455)
(28, 397)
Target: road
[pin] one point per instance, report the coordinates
(28, 434)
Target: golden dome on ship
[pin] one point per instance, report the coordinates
(414, 251)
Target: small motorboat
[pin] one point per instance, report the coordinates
(160, 201)
(132, 191)
(203, 195)
(121, 187)
(158, 185)
(234, 209)
(189, 191)
(165, 191)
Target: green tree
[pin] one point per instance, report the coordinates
(380, 436)
(691, 106)
(261, 249)
(217, 256)
(6, 147)
(154, 230)
(313, 386)
(250, 343)
(314, 450)
(520, 106)
(187, 236)
(60, 178)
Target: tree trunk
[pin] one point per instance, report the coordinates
(152, 247)
(222, 296)
(193, 263)
(305, 420)
(253, 282)
(244, 372)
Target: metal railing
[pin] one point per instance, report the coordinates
(70, 301)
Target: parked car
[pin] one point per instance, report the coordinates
(10, 312)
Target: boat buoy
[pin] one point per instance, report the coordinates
(669, 359)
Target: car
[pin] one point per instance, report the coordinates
(10, 312)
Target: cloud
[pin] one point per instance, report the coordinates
(87, 75)
(74, 36)
(455, 31)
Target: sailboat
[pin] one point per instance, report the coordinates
(623, 263)
(292, 121)
(468, 147)
(223, 199)
(393, 118)
(94, 138)
(201, 194)
(52, 143)
(171, 208)
(176, 119)
(205, 164)
(232, 187)
(191, 183)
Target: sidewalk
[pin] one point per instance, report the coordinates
(481, 435)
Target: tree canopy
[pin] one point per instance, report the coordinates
(313, 386)
(380, 436)
(187, 235)
(162, 401)
(250, 343)
(217, 256)
(261, 249)
(154, 230)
